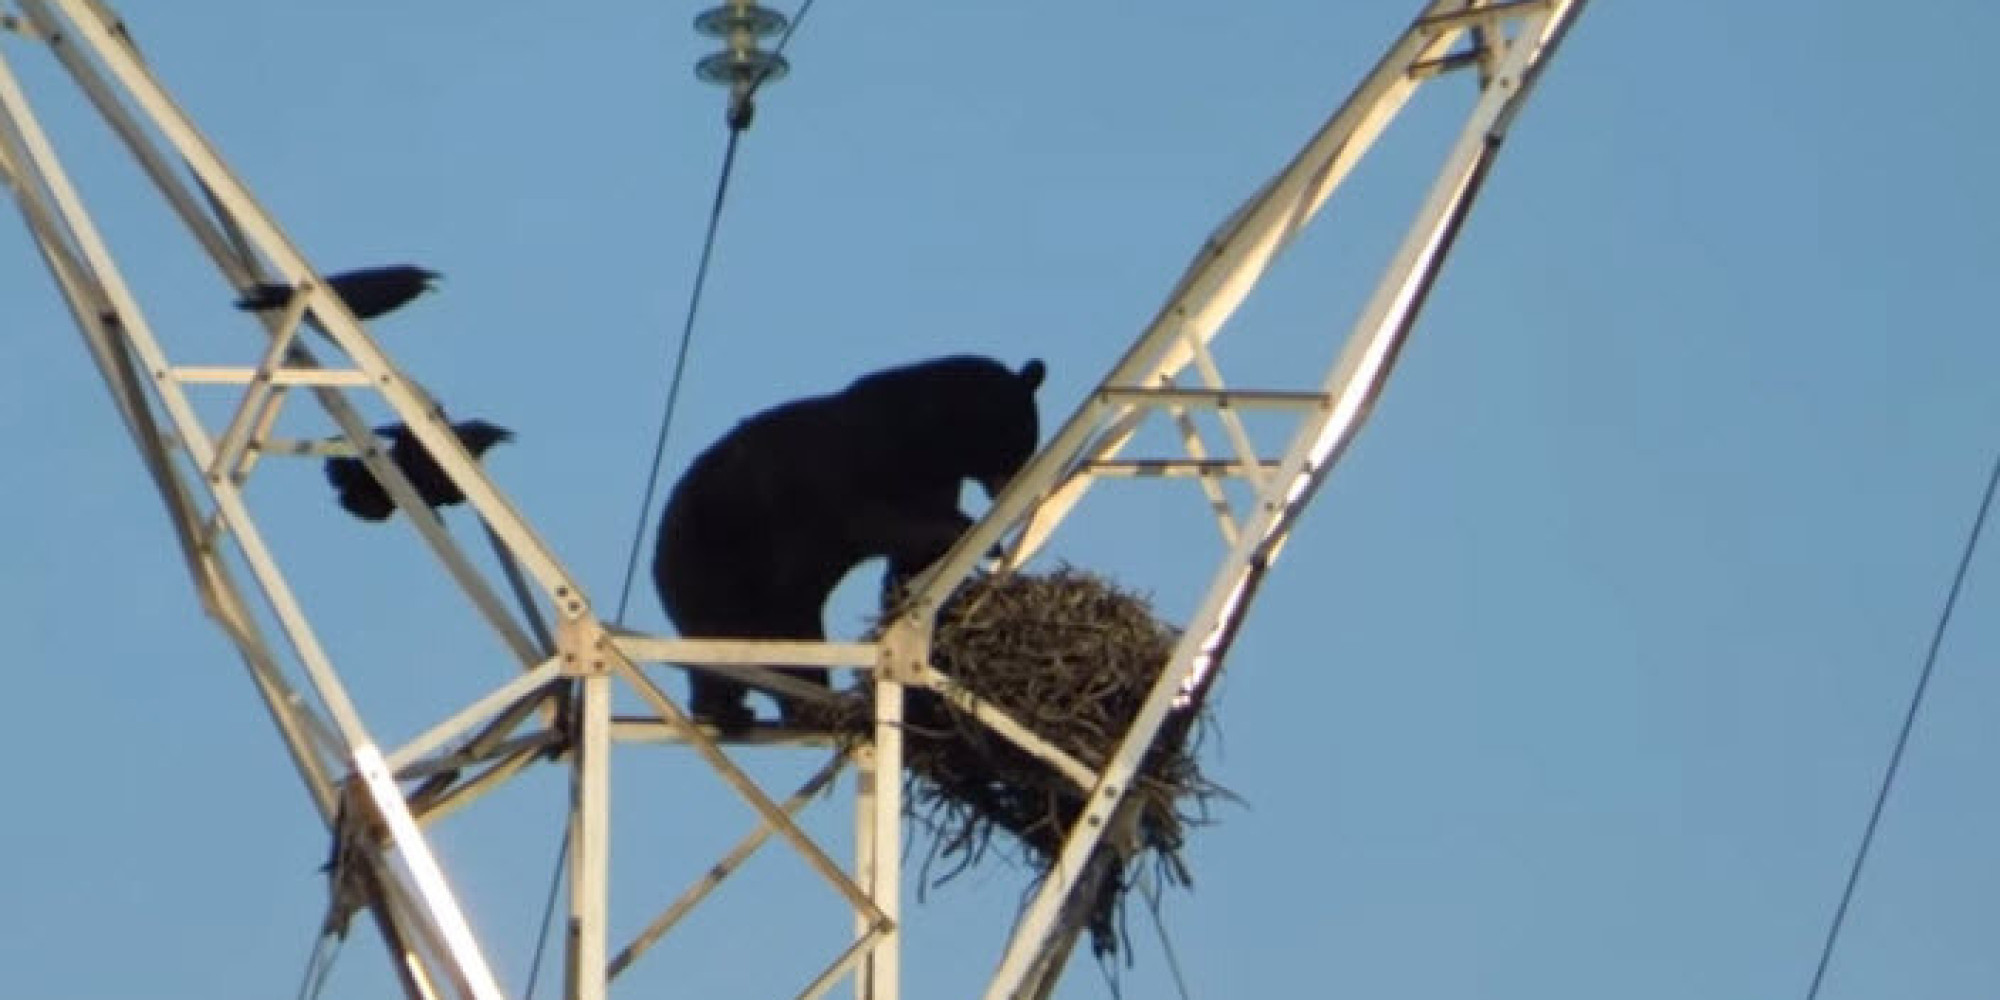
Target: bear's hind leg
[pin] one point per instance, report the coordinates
(719, 702)
(801, 623)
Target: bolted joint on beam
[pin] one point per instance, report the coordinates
(905, 651)
(20, 26)
(584, 648)
(570, 603)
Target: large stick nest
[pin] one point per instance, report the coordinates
(1071, 657)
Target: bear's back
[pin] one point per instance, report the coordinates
(777, 511)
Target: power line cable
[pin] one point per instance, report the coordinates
(739, 121)
(319, 965)
(1151, 890)
(679, 369)
(548, 915)
(1903, 737)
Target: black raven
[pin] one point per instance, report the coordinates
(365, 498)
(369, 292)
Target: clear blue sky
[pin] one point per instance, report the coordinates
(1575, 682)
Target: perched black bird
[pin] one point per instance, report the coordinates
(366, 499)
(368, 292)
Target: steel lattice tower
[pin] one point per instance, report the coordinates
(378, 799)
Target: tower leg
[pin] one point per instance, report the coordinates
(883, 969)
(866, 778)
(590, 841)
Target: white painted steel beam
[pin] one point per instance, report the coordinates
(590, 843)
(745, 652)
(327, 377)
(521, 686)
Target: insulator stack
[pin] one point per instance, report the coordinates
(742, 66)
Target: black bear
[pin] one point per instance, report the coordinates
(767, 521)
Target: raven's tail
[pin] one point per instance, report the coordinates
(359, 493)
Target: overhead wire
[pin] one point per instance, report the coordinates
(739, 122)
(1151, 889)
(674, 380)
(1902, 744)
(548, 915)
(319, 965)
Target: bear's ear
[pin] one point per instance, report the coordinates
(1032, 373)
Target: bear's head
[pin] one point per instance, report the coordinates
(961, 417)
